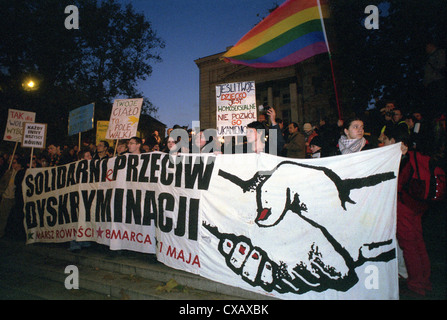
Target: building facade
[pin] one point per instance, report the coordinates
(300, 93)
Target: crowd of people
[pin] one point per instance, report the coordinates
(327, 138)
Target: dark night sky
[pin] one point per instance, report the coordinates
(191, 29)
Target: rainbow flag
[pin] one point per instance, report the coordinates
(292, 33)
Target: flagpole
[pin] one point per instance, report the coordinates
(340, 115)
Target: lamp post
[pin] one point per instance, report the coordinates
(30, 84)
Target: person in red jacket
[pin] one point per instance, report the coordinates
(409, 224)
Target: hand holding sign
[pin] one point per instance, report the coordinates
(124, 118)
(14, 124)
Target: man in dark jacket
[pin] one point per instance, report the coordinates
(296, 145)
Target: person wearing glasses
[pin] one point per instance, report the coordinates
(101, 150)
(134, 145)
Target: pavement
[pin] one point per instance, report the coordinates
(38, 272)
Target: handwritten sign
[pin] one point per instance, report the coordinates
(124, 119)
(14, 124)
(34, 135)
(81, 119)
(236, 107)
(101, 130)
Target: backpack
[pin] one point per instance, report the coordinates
(427, 180)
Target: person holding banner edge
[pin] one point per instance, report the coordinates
(409, 224)
(134, 145)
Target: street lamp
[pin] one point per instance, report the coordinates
(30, 84)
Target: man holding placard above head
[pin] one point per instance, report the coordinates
(260, 136)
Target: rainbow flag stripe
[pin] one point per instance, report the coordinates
(290, 34)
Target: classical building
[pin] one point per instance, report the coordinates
(147, 125)
(300, 93)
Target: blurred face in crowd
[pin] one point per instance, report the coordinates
(120, 148)
(251, 135)
(262, 118)
(387, 141)
(314, 148)
(355, 130)
(15, 165)
(171, 143)
(133, 146)
(87, 156)
(410, 123)
(397, 116)
(34, 162)
(43, 162)
(417, 116)
(292, 128)
(200, 139)
(52, 149)
(101, 148)
(389, 106)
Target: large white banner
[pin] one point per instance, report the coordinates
(293, 229)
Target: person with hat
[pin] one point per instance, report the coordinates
(309, 134)
(316, 147)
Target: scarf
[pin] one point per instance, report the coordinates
(350, 145)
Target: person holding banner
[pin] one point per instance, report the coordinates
(409, 220)
(171, 146)
(101, 150)
(76, 246)
(54, 151)
(200, 143)
(85, 154)
(134, 145)
(353, 139)
(121, 148)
